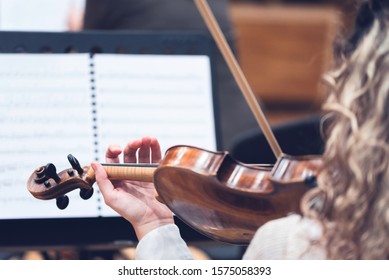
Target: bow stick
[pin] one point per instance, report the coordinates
(237, 72)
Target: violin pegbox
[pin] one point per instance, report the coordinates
(45, 183)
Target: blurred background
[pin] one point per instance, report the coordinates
(283, 47)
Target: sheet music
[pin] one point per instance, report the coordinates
(44, 116)
(166, 96)
(52, 105)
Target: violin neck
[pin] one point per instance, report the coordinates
(134, 172)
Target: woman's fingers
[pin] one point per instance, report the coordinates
(144, 151)
(155, 150)
(112, 154)
(129, 153)
(102, 181)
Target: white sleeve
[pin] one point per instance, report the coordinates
(291, 237)
(163, 243)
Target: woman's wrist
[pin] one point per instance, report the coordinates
(144, 228)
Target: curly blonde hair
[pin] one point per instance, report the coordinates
(352, 198)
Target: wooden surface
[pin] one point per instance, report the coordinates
(283, 50)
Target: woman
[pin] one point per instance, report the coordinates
(347, 215)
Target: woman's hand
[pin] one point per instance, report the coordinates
(135, 201)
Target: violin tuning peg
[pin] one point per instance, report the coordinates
(62, 202)
(51, 172)
(40, 176)
(86, 193)
(75, 164)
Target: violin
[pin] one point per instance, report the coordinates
(211, 192)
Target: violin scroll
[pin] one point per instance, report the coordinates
(45, 183)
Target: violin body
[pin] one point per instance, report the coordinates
(225, 199)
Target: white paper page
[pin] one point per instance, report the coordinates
(44, 115)
(166, 96)
(37, 15)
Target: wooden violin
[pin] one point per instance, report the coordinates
(213, 193)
